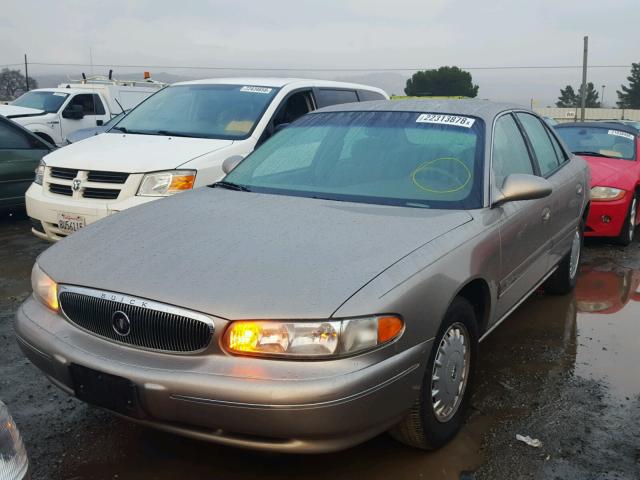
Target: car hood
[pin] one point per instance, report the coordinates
(12, 111)
(611, 172)
(132, 153)
(245, 255)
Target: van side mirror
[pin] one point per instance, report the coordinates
(73, 112)
(520, 186)
(231, 163)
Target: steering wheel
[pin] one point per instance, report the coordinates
(429, 165)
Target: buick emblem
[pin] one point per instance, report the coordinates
(121, 323)
(76, 184)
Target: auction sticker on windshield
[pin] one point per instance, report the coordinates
(618, 133)
(446, 120)
(256, 89)
(70, 223)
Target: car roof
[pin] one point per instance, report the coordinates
(60, 90)
(612, 125)
(483, 109)
(277, 82)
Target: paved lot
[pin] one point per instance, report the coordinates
(551, 371)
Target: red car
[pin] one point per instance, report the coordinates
(613, 153)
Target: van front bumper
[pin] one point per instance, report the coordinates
(266, 404)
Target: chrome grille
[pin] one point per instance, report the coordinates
(64, 173)
(60, 189)
(107, 177)
(153, 326)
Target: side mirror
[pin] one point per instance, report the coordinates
(520, 186)
(73, 112)
(231, 163)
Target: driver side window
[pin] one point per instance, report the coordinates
(510, 154)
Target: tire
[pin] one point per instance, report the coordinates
(565, 277)
(45, 137)
(422, 427)
(628, 230)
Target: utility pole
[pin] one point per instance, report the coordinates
(26, 71)
(602, 97)
(583, 88)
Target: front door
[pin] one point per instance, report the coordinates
(92, 108)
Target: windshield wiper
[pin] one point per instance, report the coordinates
(591, 154)
(120, 129)
(230, 186)
(167, 133)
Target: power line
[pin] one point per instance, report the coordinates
(311, 69)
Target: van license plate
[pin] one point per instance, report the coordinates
(70, 223)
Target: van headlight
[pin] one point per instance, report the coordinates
(163, 184)
(39, 173)
(44, 288)
(310, 339)
(14, 463)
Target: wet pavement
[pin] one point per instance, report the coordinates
(564, 370)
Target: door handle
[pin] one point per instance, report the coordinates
(546, 214)
(579, 189)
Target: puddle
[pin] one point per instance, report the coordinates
(608, 299)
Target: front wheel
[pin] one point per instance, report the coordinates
(439, 410)
(565, 277)
(629, 227)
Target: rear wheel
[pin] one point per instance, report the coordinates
(564, 278)
(628, 229)
(439, 410)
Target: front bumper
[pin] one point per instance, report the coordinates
(44, 208)
(616, 211)
(276, 405)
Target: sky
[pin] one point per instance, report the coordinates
(370, 35)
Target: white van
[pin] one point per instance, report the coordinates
(53, 113)
(176, 140)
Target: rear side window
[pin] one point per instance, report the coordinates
(13, 139)
(327, 96)
(510, 154)
(366, 95)
(90, 103)
(541, 143)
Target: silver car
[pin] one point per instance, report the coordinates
(335, 285)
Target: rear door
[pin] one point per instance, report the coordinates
(566, 200)
(524, 228)
(20, 154)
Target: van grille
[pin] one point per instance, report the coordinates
(107, 177)
(150, 328)
(104, 193)
(64, 173)
(60, 189)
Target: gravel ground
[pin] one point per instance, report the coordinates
(567, 378)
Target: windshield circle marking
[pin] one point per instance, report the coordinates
(430, 165)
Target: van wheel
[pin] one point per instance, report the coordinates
(565, 277)
(629, 227)
(45, 137)
(439, 410)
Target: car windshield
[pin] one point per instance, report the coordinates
(50, 102)
(204, 111)
(393, 158)
(599, 142)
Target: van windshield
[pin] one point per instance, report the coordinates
(202, 111)
(50, 102)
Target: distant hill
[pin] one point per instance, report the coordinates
(392, 83)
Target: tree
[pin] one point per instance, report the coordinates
(629, 97)
(570, 99)
(13, 84)
(445, 81)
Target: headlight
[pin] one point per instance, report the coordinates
(39, 173)
(606, 194)
(14, 463)
(310, 339)
(44, 288)
(162, 184)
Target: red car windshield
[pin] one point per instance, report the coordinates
(599, 142)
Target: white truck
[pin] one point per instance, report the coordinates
(53, 113)
(176, 140)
